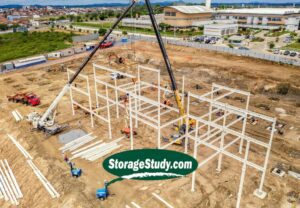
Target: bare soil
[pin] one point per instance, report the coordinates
(272, 86)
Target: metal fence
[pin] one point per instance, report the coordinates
(247, 53)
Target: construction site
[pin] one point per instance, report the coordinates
(240, 115)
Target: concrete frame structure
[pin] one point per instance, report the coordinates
(86, 92)
(210, 136)
(208, 131)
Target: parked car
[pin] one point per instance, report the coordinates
(199, 39)
(207, 41)
(293, 54)
(287, 39)
(276, 51)
(213, 42)
(244, 48)
(286, 53)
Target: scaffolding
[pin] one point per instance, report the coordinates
(219, 123)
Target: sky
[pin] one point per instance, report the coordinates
(76, 2)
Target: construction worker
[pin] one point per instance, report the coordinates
(66, 159)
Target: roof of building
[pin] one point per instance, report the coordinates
(278, 11)
(191, 9)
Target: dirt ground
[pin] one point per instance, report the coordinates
(272, 86)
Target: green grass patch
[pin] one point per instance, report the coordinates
(19, 45)
(257, 39)
(276, 33)
(96, 25)
(293, 46)
(107, 25)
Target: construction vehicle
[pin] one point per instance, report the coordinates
(107, 44)
(117, 59)
(75, 172)
(103, 193)
(180, 132)
(127, 130)
(46, 122)
(25, 98)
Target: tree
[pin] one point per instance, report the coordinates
(271, 45)
(102, 31)
(124, 32)
(164, 26)
(102, 17)
(3, 27)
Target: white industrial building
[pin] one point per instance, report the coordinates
(263, 18)
(219, 30)
(141, 22)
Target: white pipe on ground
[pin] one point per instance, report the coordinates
(74, 147)
(88, 151)
(10, 181)
(19, 114)
(104, 153)
(76, 141)
(8, 189)
(135, 205)
(91, 154)
(15, 116)
(162, 200)
(19, 146)
(3, 189)
(20, 195)
(44, 181)
(86, 147)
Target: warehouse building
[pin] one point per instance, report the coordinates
(142, 21)
(263, 18)
(260, 18)
(186, 16)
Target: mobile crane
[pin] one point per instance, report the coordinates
(46, 121)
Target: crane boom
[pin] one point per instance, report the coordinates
(166, 59)
(81, 67)
(42, 121)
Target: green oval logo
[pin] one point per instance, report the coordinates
(150, 164)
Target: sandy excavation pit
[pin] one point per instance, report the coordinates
(271, 90)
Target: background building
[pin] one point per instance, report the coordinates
(263, 18)
(220, 30)
(141, 22)
(185, 16)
